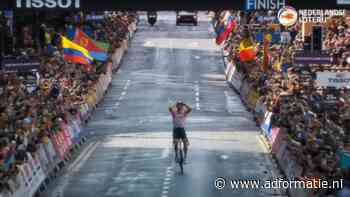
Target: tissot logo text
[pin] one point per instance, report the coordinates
(48, 3)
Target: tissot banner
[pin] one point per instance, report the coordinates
(305, 58)
(20, 65)
(333, 79)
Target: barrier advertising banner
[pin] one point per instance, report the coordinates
(266, 125)
(231, 71)
(274, 133)
(245, 90)
(253, 98)
(333, 79)
(236, 80)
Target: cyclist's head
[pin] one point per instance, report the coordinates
(179, 105)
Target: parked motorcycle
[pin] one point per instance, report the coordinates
(152, 18)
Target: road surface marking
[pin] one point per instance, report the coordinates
(81, 155)
(86, 157)
(117, 104)
(196, 87)
(167, 178)
(64, 180)
(166, 184)
(166, 187)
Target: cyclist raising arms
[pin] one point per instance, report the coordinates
(179, 113)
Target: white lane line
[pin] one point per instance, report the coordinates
(117, 104)
(197, 96)
(165, 192)
(167, 178)
(86, 157)
(169, 172)
(79, 158)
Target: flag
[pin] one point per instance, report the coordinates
(223, 34)
(246, 51)
(103, 45)
(75, 53)
(267, 40)
(219, 31)
(85, 41)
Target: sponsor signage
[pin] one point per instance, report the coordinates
(307, 58)
(319, 15)
(287, 16)
(94, 17)
(20, 65)
(266, 18)
(333, 79)
(44, 4)
(265, 4)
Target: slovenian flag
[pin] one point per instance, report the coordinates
(94, 49)
(75, 53)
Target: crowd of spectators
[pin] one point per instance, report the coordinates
(315, 120)
(29, 115)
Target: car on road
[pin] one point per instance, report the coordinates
(183, 17)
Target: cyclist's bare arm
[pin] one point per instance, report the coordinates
(189, 109)
(171, 109)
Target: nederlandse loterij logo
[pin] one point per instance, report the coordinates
(287, 16)
(47, 3)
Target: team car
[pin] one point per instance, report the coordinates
(186, 17)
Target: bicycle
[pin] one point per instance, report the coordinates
(180, 155)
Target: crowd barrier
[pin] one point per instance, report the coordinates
(275, 137)
(54, 149)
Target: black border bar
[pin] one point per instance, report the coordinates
(100, 5)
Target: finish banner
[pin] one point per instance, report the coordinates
(333, 79)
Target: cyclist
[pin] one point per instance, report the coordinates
(179, 113)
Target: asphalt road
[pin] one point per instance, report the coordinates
(131, 153)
